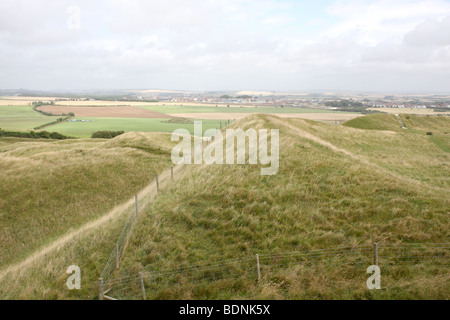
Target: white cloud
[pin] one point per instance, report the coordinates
(430, 33)
(226, 44)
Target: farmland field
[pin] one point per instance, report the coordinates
(324, 117)
(145, 117)
(22, 118)
(112, 112)
(85, 129)
(170, 109)
(408, 111)
(22, 101)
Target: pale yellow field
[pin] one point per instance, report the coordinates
(129, 103)
(137, 104)
(27, 98)
(408, 111)
(101, 103)
(269, 93)
(239, 116)
(22, 101)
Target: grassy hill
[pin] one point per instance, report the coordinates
(337, 187)
(438, 126)
(375, 122)
(51, 187)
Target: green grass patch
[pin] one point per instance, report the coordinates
(22, 118)
(375, 122)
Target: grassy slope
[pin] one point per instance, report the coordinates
(319, 199)
(46, 278)
(375, 122)
(22, 118)
(49, 187)
(409, 152)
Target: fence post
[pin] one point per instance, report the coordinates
(375, 254)
(258, 269)
(141, 278)
(171, 172)
(100, 289)
(157, 183)
(136, 205)
(117, 255)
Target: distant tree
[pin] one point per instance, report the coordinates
(106, 134)
(56, 136)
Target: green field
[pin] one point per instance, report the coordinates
(85, 129)
(21, 118)
(24, 118)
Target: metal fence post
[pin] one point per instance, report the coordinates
(375, 254)
(171, 172)
(100, 289)
(141, 278)
(258, 269)
(157, 183)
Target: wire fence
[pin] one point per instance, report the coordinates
(140, 202)
(133, 208)
(354, 260)
(116, 254)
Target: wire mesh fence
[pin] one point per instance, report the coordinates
(117, 252)
(354, 260)
(140, 202)
(133, 210)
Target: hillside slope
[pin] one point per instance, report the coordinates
(337, 187)
(49, 188)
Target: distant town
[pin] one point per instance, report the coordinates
(359, 102)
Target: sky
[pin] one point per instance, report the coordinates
(205, 45)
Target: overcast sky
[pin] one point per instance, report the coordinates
(348, 45)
